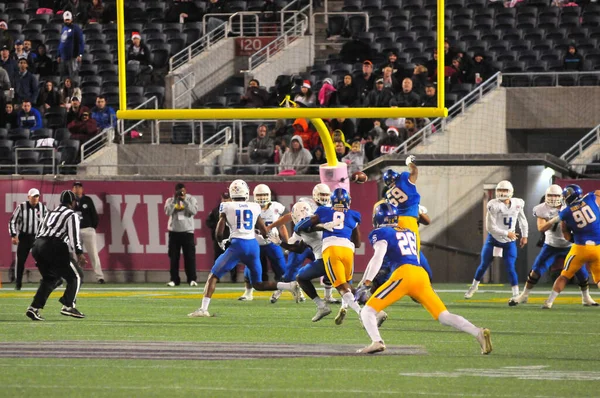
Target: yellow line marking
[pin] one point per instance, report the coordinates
(531, 300)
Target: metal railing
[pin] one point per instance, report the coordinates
(154, 136)
(439, 124)
(556, 78)
(187, 82)
(581, 145)
(243, 25)
(219, 140)
(196, 48)
(37, 165)
(326, 14)
(452, 249)
(299, 27)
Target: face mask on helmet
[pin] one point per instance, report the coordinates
(322, 194)
(262, 194)
(554, 196)
(571, 193)
(390, 177)
(385, 214)
(504, 190)
(340, 198)
(238, 189)
(300, 211)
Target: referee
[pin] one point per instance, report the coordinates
(59, 234)
(23, 226)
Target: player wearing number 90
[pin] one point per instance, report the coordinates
(242, 217)
(501, 221)
(398, 245)
(582, 217)
(555, 246)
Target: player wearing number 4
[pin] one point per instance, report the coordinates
(501, 221)
(409, 279)
(340, 236)
(242, 217)
(555, 246)
(581, 220)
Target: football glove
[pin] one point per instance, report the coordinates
(224, 244)
(410, 159)
(303, 225)
(362, 293)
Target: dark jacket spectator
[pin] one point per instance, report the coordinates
(318, 155)
(5, 82)
(407, 98)
(49, 97)
(420, 80)
(389, 80)
(480, 70)
(306, 96)
(449, 53)
(410, 128)
(76, 110)
(454, 73)
(255, 97)
(430, 97)
(29, 117)
(389, 143)
(393, 63)
(347, 93)
(380, 96)
(80, 10)
(261, 148)
(96, 11)
(217, 6)
(573, 60)
(44, 65)
(8, 117)
(355, 51)
(84, 128)
(5, 37)
(26, 84)
(185, 9)
(346, 125)
(7, 63)
(104, 116)
(431, 66)
(138, 50)
(366, 81)
(71, 42)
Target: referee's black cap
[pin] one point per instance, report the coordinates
(67, 197)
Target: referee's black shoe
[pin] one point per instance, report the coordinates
(34, 314)
(71, 311)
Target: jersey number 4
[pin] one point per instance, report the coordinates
(584, 216)
(395, 196)
(407, 243)
(244, 219)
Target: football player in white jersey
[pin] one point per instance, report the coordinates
(242, 217)
(503, 213)
(555, 246)
(271, 211)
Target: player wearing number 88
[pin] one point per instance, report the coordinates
(503, 213)
(581, 221)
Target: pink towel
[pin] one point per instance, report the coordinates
(325, 93)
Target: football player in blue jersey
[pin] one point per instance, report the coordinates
(399, 246)
(580, 220)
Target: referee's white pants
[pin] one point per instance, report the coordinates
(88, 237)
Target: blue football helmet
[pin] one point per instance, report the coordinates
(390, 177)
(385, 214)
(571, 193)
(340, 198)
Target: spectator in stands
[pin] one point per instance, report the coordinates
(30, 54)
(254, 97)
(104, 116)
(392, 62)
(480, 69)
(431, 65)
(183, 11)
(83, 128)
(365, 82)
(7, 63)
(79, 10)
(5, 37)
(395, 122)
(407, 98)
(96, 11)
(345, 125)
(29, 117)
(454, 73)
(339, 136)
(26, 84)
(8, 118)
(280, 148)
(410, 129)
(139, 53)
(306, 96)
(296, 157)
(377, 132)
(49, 97)
(318, 158)
(216, 7)
(389, 143)
(5, 83)
(449, 53)
(420, 80)
(430, 98)
(261, 148)
(18, 52)
(68, 91)
(355, 159)
(369, 146)
(76, 110)
(379, 97)
(327, 93)
(355, 50)
(310, 138)
(43, 64)
(389, 80)
(70, 48)
(347, 93)
(573, 61)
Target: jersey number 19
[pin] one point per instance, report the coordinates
(244, 218)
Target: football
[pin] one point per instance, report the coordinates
(359, 177)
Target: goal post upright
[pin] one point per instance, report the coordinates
(121, 56)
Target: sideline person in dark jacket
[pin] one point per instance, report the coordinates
(573, 60)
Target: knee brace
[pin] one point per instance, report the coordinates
(584, 284)
(532, 278)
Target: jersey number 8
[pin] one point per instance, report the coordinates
(584, 216)
(407, 243)
(395, 196)
(338, 220)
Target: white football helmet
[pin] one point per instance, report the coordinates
(262, 194)
(238, 189)
(556, 199)
(504, 186)
(300, 211)
(322, 194)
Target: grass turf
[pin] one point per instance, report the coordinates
(536, 353)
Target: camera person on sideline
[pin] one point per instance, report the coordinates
(181, 209)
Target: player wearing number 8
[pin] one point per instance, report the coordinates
(501, 221)
(581, 221)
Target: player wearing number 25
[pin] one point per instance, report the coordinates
(581, 221)
(501, 221)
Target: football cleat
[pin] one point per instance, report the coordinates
(339, 318)
(376, 346)
(275, 296)
(245, 297)
(547, 305)
(193, 283)
(381, 317)
(322, 312)
(171, 284)
(199, 313)
(71, 311)
(302, 299)
(296, 291)
(485, 340)
(471, 291)
(520, 299)
(589, 302)
(331, 300)
(34, 314)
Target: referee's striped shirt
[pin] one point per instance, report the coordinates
(26, 219)
(62, 223)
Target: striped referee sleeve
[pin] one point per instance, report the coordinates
(14, 225)
(73, 234)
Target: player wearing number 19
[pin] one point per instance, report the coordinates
(242, 217)
(398, 245)
(501, 221)
(582, 217)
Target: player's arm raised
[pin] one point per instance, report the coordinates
(423, 216)
(412, 167)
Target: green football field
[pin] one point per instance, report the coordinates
(136, 341)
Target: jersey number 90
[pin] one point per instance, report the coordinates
(584, 216)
